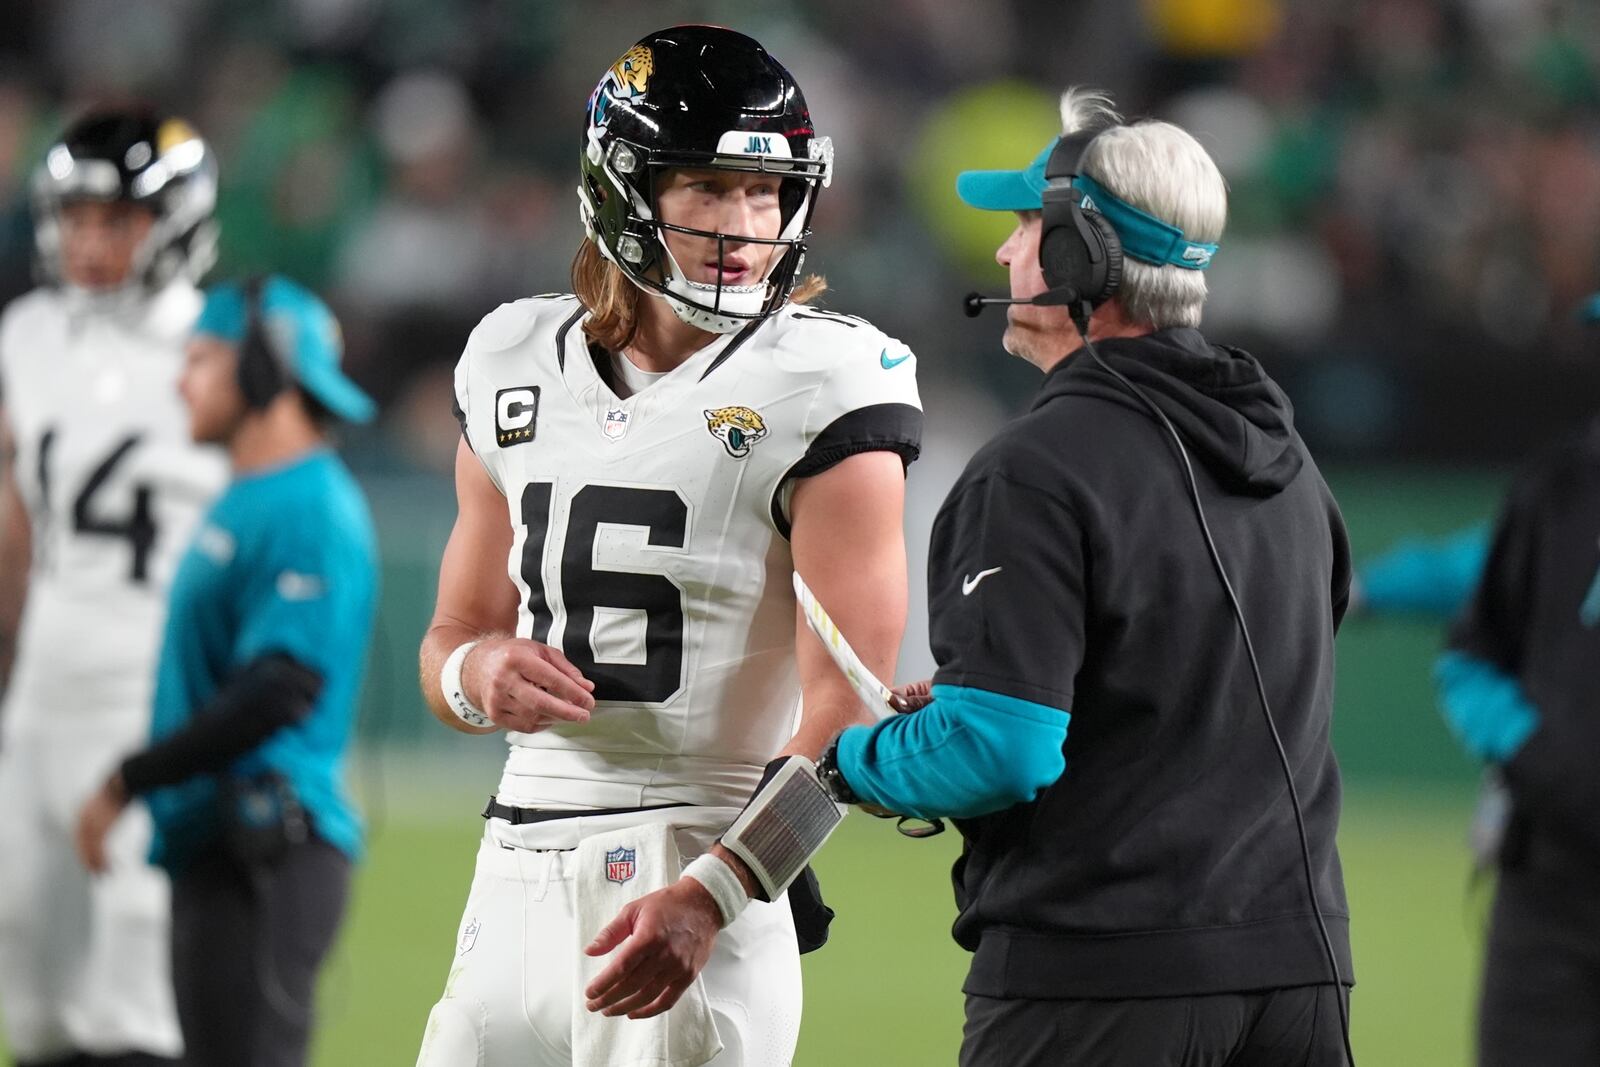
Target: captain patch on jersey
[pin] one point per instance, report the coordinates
(516, 411)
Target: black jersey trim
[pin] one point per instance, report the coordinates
(838, 318)
(461, 417)
(733, 346)
(604, 370)
(561, 337)
(893, 428)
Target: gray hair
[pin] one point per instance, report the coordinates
(1162, 170)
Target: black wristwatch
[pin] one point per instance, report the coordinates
(832, 778)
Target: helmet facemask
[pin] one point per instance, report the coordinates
(629, 176)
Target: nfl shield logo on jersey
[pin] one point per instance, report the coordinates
(616, 423)
(619, 865)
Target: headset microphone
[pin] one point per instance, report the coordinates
(974, 303)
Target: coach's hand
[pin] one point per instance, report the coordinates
(913, 696)
(666, 938)
(526, 686)
(95, 821)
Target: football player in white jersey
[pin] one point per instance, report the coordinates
(643, 464)
(101, 495)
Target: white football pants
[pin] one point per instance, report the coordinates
(85, 960)
(508, 998)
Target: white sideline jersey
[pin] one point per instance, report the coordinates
(651, 534)
(113, 487)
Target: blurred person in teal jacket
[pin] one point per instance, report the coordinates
(271, 613)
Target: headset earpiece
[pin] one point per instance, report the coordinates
(1078, 250)
(261, 376)
(1110, 276)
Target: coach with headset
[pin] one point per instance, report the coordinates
(1134, 890)
(271, 613)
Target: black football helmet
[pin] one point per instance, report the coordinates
(138, 156)
(711, 99)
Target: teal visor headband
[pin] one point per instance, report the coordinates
(1144, 237)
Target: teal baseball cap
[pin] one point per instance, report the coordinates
(1589, 310)
(1007, 190)
(1144, 237)
(303, 334)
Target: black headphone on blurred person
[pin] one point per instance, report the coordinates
(1079, 252)
(261, 371)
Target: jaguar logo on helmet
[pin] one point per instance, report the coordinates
(631, 73)
(628, 77)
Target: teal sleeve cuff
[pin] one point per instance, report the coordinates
(1486, 708)
(1434, 578)
(968, 753)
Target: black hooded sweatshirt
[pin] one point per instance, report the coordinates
(1165, 859)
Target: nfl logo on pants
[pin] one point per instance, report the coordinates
(619, 865)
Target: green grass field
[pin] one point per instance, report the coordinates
(885, 991)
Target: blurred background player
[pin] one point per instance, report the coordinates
(667, 445)
(1151, 904)
(102, 492)
(1518, 689)
(260, 672)
(1432, 578)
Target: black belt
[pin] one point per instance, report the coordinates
(522, 816)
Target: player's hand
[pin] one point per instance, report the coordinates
(666, 938)
(526, 686)
(95, 821)
(913, 696)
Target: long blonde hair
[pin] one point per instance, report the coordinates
(613, 300)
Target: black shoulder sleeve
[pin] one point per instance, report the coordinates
(1006, 591)
(268, 694)
(461, 419)
(893, 428)
(1494, 623)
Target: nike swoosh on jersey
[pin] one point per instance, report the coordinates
(969, 584)
(891, 364)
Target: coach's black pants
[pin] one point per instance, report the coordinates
(246, 947)
(1541, 979)
(1278, 1028)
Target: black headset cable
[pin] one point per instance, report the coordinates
(1255, 668)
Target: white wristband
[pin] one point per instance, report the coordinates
(713, 872)
(455, 694)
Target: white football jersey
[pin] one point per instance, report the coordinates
(113, 487)
(651, 534)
